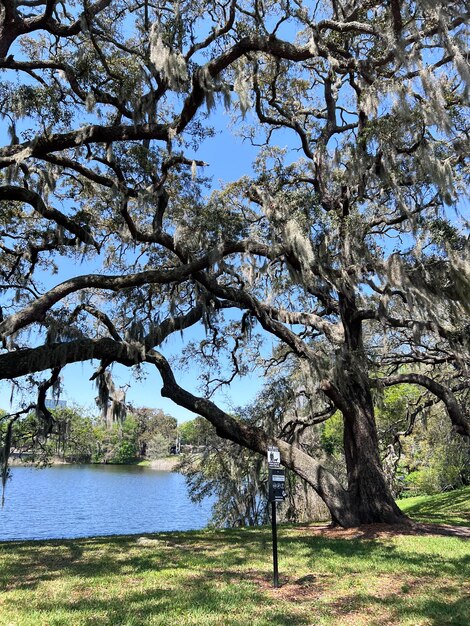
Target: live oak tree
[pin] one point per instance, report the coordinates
(343, 242)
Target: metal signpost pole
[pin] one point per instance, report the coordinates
(276, 478)
(274, 528)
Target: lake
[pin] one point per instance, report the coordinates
(67, 501)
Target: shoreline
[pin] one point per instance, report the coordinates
(164, 465)
(168, 464)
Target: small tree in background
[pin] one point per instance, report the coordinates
(157, 447)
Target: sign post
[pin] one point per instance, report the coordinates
(276, 477)
(274, 532)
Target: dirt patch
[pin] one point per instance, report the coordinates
(379, 531)
(305, 589)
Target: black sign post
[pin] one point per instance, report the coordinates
(276, 477)
(274, 530)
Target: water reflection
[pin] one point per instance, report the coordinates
(81, 501)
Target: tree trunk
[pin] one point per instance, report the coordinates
(370, 496)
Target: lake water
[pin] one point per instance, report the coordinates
(68, 501)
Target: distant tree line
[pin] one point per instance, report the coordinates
(76, 437)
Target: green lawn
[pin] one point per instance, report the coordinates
(224, 578)
(452, 507)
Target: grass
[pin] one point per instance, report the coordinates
(452, 507)
(223, 578)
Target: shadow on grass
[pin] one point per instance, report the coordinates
(26, 564)
(201, 603)
(191, 583)
(452, 507)
(218, 577)
(435, 611)
(441, 604)
(346, 556)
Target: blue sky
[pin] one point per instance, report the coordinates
(228, 158)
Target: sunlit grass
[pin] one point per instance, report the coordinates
(452, 507)
(209, 578)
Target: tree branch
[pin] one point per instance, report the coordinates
(253, 438)
(20, 194)
(456, 413)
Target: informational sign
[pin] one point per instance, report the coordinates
(277, 484)
(274, 457)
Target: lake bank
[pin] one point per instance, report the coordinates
(167, 464)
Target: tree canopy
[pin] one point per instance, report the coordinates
(344, 242)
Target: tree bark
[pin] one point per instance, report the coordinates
(371, 498)
(368, 488)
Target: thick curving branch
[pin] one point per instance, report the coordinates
(305, 466)
(262, 313)
(22, 362)
(43, 145)
(20, 194)
(14, 24)
(456, 413)
(31, 360)
(36, 310)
